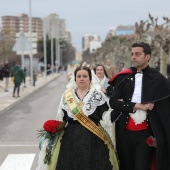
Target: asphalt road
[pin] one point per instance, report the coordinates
(19, 125)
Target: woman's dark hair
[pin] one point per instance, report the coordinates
(146, 47)
(105, 73)
(83, 68)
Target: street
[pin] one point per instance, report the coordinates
(18, 126)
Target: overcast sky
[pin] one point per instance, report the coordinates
(90, 16)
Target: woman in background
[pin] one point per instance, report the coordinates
(103, 80)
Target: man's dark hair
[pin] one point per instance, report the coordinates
(83, 68)
(146, 47)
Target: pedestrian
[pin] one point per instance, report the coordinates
(25, 75)
(82, 146)
(48, 69)
(70, 71)
(122, 66)
(59, 68)
(100, 72)
(18, 73)
(34, 78)
(1, 73)
(141, 101)
(109, 69)
(6, 73)
(157, 66)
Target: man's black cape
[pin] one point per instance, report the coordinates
(155, 89)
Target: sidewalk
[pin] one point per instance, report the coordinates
(6, 99)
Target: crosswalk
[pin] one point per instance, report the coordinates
(18, 162)
(19, 155)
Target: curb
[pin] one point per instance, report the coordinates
(23, 97)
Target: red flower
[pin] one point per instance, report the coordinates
(52, 131)
(151, 141)
(52, 126)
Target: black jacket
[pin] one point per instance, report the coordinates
(6, 70)
(156, 89)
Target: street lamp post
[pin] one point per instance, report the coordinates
(30, 33)
(59, 57)
(52, 54)
(61, 52)
(22, 43)
(22, 52)
(45, 48)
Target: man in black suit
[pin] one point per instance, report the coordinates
(141, 103)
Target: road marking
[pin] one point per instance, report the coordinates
(18, 145)
(18, 162)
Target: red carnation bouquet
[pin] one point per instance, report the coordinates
(51, 131)
(151, 141)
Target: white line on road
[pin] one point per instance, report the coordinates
(18, 162)
(18, 145)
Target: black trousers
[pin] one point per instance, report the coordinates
(16, 86)
(133, 151)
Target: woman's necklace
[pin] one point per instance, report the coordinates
(81, 104)
(81, 97)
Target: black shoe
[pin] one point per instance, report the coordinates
(18, 96)
(13, 95)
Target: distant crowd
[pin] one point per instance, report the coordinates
(16, 74)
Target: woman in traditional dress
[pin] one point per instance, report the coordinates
(84, 145)
(100, 72)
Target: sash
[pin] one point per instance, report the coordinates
(86, 121)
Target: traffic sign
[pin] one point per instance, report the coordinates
(22, 47)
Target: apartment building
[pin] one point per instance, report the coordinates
(15, 24)
(56, 28)
(88, 39)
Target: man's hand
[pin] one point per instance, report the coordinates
(148, 106)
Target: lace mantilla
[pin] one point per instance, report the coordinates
(41, 165)
(93, 99)
(108, 125)
(104, 83)
(60, 113)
